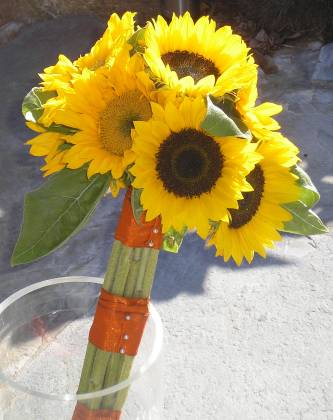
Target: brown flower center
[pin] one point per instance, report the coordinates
(189, 163)
(116, 120)
(186, 63)
(249, 206)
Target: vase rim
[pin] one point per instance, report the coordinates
(142, 370)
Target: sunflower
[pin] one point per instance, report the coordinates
(186, 175)
(263, 127)
(53, 148)
(106, 49)
(258, 118)
(57, 78)
(49, 145)
(254, 226)
(197, 58)
(62, 75)
(102, 107)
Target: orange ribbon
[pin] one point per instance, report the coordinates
(119, 323)
(82, 412)
(142, 235)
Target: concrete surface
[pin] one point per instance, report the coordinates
(324, 68)
(28, 11)
(247, 343)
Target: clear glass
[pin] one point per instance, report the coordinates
(43, 337)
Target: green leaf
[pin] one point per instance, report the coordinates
(228, 106)
(127, 177)
(137, 40)
(63, 129)
(218, 123)
(309, 193)
(32, 110)
(32, 106)
(304, 221)
(213, 228)
(58, 128)
(64, 146)
(136, 204)
(56, 211)
(172, 240)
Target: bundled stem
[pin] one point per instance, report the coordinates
(130, 273)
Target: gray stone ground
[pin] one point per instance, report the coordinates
(247, 343)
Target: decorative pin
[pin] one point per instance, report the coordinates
(126, 337)
(150, 244)
(122, 350)
(155, 230)
(128, 317)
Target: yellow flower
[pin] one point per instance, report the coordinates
(107, 48)
(263, 127)
(58, 77)
(47, 144)
(186, 175)
(49, 109)
(51, 146)
(119, 30)
(62, 75)
(195, 57)
(288, 151)
(257, 118)
(103, 106)
(254, 226)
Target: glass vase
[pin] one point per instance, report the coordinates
(43, 335)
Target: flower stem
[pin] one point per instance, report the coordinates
(130, 273)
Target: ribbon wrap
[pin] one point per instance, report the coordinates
(119, 323)
(142, 235)
(82, 412)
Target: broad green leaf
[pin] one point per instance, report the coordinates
(136, 204)
(137, 40)
(309, 193)
(32, 106)
(218, 123)
(56, 211)
(172, 240)
(304, 221)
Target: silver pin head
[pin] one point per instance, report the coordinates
(122, 350)
(125, 337)
(150, 244)
(128, 317)
(155, 230)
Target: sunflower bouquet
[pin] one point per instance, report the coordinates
(167, 112)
